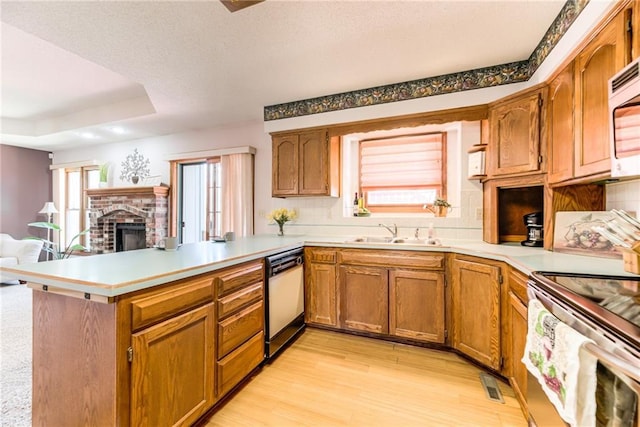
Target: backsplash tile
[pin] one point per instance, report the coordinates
(624, 195)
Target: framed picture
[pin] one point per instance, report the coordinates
(574, 234)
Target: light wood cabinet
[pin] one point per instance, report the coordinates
(518, 326)
(320, 287)
(416, 305)
(594, 66)
(560, 126)
(515, 125)
(305, 164)
(172, 369)
(515, 335)
(155, 357)
(364, 301)
(476, 302)
(396, 293)
(240, 324)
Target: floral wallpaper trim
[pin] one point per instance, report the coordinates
(496, 75)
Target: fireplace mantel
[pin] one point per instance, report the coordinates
(160, 190)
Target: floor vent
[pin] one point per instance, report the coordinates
(491, 388)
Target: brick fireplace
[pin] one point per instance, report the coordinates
(128, 208)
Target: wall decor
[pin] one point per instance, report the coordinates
(135, 167)
(574, 234)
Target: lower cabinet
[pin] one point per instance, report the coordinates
(172, 374)
(320, 287)
(517, 335)
(392, 293)
(364, 301)
(192, 342)
(416, 305)
(518, 327)
(475, 295)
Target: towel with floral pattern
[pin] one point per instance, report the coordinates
(566, 371)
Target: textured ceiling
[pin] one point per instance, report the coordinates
(114, 71)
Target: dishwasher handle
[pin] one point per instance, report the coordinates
(285, 264)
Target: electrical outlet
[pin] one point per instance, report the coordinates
(479, 214)
(262, 214)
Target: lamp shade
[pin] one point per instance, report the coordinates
(48, 208)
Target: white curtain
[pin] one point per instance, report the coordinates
(237, 193)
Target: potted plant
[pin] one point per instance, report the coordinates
(104, 175)
(440, 207)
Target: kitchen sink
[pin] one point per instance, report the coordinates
(395, 241)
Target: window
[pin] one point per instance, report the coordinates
(76, 212)
(403, 173)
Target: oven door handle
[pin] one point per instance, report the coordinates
(614, 362)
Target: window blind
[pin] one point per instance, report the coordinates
(404, 162)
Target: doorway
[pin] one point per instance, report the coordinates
(199, 201)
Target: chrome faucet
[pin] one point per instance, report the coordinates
(393, 231)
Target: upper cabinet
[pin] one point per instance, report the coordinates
(560, 126)
(607, 53)
(306, 164)
(515, 125)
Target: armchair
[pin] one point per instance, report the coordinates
(14, 252)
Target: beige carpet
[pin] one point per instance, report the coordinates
(15, 355)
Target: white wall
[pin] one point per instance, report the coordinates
(318, 215)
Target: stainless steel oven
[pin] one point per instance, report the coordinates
(606, 310)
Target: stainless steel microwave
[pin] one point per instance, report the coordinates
(624, 108)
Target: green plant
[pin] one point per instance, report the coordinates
(104, 172)
(52, 247)
(441, 202)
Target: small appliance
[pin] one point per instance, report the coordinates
(533, 221)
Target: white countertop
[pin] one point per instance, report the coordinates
(110, 275)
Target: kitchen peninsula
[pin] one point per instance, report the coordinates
(144, 337)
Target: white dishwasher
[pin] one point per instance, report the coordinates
(284, 311)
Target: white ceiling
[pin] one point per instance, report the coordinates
(78, 73)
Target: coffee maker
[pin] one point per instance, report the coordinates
(533, 221)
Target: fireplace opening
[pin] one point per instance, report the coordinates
(130, 237)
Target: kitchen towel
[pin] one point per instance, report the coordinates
(554, 354)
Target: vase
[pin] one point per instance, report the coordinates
(135, 179)
(281, 229)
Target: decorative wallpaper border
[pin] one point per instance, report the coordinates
(496, 75)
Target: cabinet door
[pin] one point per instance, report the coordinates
(515, 136)
(560, 125)
(173, 369)
(285, 163)
(476, 311)
(364, 301)
(518, 327)
(320, 294)
(314, 163)
(594, 66)
(416, 305)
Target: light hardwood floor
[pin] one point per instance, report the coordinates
(333, 379)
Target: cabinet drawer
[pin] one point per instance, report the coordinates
(239, 327)
(239, 276)
(237, 365)
(326, 256)
(418, 260)
(518, 285)
(149, 310)
(239, 299)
